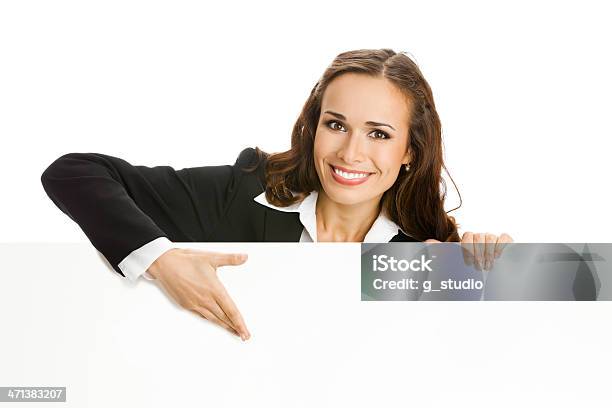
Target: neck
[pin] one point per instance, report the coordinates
(344, 223)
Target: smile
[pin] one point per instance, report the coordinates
(348, 178)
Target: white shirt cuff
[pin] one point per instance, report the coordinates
(136, 263)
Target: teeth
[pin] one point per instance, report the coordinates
(349, 176)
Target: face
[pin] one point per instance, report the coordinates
(361, 139)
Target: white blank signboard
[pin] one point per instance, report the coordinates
(69, 320)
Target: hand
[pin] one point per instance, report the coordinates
(480, 249)
(190, 278)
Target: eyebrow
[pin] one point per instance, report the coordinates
(369, 122)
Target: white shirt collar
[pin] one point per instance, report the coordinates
(382, 230)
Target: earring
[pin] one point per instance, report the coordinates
(407, 166)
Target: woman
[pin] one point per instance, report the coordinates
(364, 166)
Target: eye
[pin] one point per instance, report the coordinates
(380, 134)
(335, 125)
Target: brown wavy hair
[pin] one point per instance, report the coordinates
(415, 202)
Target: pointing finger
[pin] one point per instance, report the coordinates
(216, 309)
(231, 311)
(208, 315)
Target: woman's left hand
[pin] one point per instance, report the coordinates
(480, 249)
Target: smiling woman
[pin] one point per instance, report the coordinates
(369, 141)
(365, 165)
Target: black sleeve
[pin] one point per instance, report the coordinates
(121, 207)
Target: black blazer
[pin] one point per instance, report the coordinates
(121, 207)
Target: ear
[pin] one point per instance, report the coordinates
(407, 157)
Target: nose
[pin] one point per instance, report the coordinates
(351, 150)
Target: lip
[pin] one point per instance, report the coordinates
(349, 170)
(346, 182)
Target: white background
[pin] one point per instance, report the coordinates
(522, 90)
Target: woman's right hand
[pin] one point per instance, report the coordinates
(190, 278)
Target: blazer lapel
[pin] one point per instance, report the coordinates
(280, 226)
